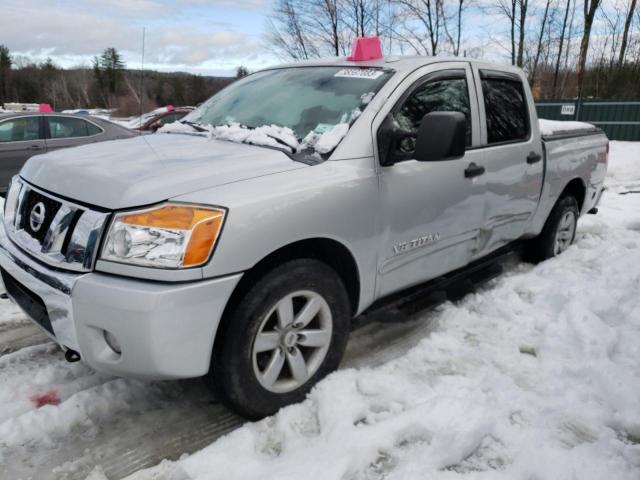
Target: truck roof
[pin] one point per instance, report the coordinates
(399, 63)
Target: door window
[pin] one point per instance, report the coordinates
(20, 129)
(68, 127)
(441, 94)
(506, 110)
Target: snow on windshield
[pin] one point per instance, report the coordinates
(269, 135)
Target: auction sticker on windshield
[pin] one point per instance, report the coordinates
(370, 73)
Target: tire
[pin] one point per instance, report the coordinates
(562, 222)
(240, 367)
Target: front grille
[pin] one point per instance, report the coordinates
(31, 303)
(51, 207)
(66, 235)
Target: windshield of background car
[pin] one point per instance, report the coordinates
(304, 99)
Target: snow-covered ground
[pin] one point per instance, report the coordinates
(534, 376)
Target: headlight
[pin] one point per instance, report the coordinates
(169, 236)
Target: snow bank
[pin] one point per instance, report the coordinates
(536, 376)
(553, 127)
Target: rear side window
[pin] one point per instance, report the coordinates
(93, 129)
(436, 95)
(506, 110)
(67, 127)
(20, 129)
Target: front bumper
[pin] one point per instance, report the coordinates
(165, 330)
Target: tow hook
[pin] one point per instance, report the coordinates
(71, 356)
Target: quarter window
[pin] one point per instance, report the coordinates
(69, 127)
(20, 129)
(506, 110)
(437, 95)
(93, 129)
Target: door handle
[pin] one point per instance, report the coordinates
(34, 147)
(473, 170)
(533, 157)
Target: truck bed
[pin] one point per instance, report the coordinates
(574, 150)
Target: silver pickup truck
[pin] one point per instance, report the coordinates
(238, 244)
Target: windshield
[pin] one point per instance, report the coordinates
(313, 102)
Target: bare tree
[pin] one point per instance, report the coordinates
(455, 37)
(554, 90)
(625, 34)
(609, 43)
(568, 50)
(358, 16)
(523, 6)
(589, 10)
(323, 21)
(515, 11)
(428, 14)
(532, 76)
(288, 36)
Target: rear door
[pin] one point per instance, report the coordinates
(512, 157)
(432, 210)
(64, 132)
(20, 139)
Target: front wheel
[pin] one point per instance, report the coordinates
(288, 331)
(558, 233)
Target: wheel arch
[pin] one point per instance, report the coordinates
(577, 189)
(330, 251)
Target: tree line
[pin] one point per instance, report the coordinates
(567, 47)
(107, 84)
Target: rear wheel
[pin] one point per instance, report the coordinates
(288, 331)
(558, 233)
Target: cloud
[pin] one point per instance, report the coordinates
(187, 35)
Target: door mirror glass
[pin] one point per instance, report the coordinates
(441, 136)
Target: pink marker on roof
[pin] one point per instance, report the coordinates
(365, 48)
(45, 108)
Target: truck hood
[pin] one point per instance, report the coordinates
(149, 169)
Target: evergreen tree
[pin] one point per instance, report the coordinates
(242, 71)
(108, 69)
(5, 72)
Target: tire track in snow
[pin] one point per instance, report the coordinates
(171, 419)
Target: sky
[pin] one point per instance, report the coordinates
(209, 37)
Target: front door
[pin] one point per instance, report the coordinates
(20, 139)
(432, 210)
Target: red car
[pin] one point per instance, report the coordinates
(152, 121)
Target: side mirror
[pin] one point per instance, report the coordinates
(389, 138)
(441, 136)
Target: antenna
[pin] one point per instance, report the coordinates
(141, 81)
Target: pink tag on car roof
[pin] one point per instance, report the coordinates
(170, 108)
(365, 48)
(45, 108)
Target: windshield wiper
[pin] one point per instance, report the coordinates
(282, 142)
(194, 125)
